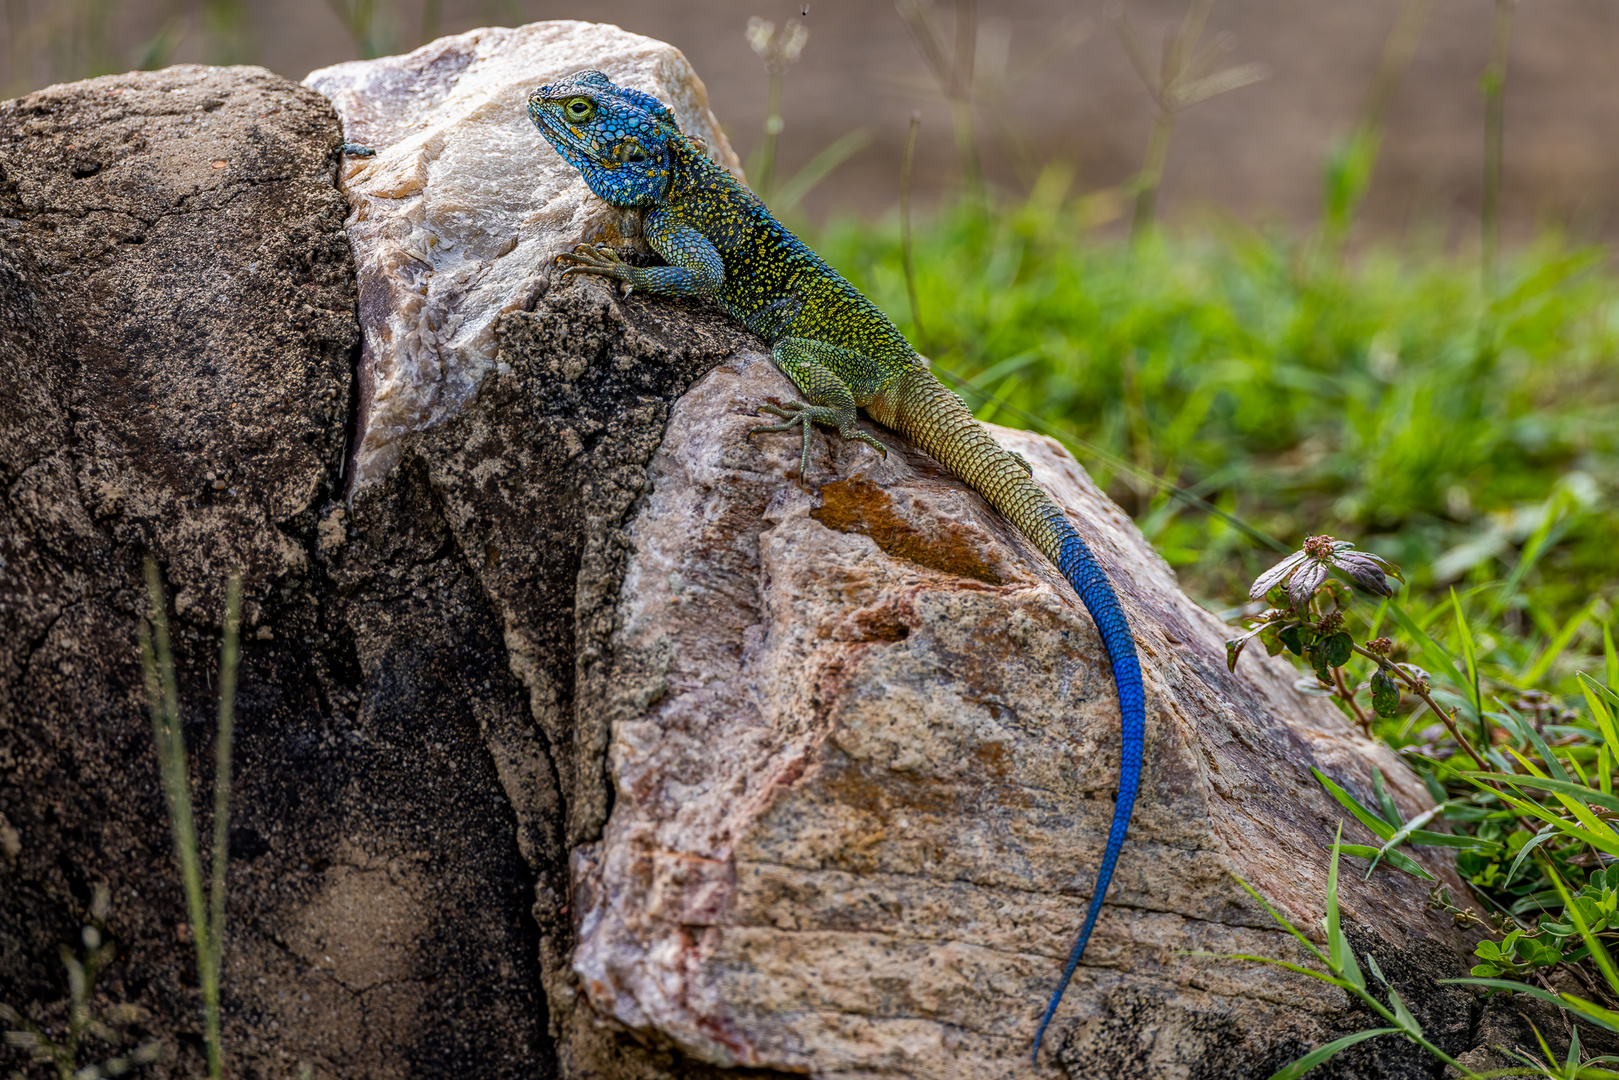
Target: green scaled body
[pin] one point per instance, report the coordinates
(841, 352)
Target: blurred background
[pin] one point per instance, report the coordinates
(1051, 83)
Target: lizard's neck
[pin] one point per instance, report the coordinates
(697, 176)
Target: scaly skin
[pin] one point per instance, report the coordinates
(835, 345)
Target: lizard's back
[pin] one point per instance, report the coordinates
(774, 283)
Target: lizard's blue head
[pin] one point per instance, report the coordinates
(616, 137)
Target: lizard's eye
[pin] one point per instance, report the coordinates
(581, 110)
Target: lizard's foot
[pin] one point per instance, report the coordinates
(1023, 461)
(802, 414)
(596, 259)
(797, 414)
(356, 150)
(869, 440)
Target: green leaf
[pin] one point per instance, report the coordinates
(1582, 1009)
(1397, 859)
(1377, 825)
(1385, 801)
(1342, 956)
(1270, 636)
(1322, 1053)
(1539, 838)
(1337, 649)
(1296, 638)
(1385, 694)
(1544, 783)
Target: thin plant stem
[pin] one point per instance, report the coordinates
(157, 663)
(229, 655)
(431, 10)
(952, 70)
(1444, 717)
(1351, 171)
(961, 109)
(773, 127)
(779, 48)
(1152, 175)
(905, 226)
(22, 52)
(1495, 77)
(1348, 698)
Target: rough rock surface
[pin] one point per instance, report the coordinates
(455, 220)
(588, 741)
(177, 345)
(863, 750)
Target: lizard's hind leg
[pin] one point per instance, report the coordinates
(823, 374)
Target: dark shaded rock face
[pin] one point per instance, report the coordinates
(446, 682)
(177, 342)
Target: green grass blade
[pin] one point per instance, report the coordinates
(1529, 846)
(1385, 801)
(1382, 829)
(790, 194)
(1338, 948)
(1608, 695)
(224, 738)
(1538, 741)
(1470, 658)
(1536, 670)
(1320, 976)
(1608, 1022)
(1599, 952)
(1270, 910)
(1611, 655)
(1436, 658)
(1322, 1053)
(1554, 520)
(1397, 859)
(1546, 783)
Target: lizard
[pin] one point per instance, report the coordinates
(719, 241)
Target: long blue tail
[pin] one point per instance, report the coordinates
(1091, 583)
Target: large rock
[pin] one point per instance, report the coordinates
(864, 745)
(456, 219)
(587, 739)
(177, 322)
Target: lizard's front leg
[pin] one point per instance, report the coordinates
(695, 267)
(823, 374)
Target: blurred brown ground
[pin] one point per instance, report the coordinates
(1072, 96)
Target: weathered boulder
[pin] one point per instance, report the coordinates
(863, 746)
(177, 347)
(455, 220)
(588, 740)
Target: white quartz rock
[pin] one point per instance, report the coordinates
(458, 217)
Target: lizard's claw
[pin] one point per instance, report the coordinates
(800, 413)
(869, 440)
(596, 259)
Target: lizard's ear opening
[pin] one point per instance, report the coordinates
(630, 152)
